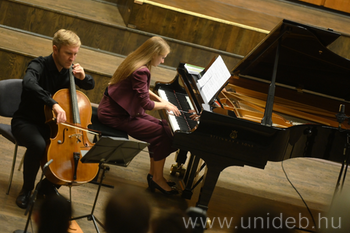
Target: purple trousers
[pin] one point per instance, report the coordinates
(145, 128)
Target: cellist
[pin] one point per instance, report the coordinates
(43, 78)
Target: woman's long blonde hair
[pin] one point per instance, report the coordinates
(142, 56)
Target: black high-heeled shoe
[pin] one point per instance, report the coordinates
(170, 183)
(153, 186)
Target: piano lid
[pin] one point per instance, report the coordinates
(304, 61)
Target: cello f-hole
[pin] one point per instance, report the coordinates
(64, 136)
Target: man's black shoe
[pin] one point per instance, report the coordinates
(48, 189)
(23, 198)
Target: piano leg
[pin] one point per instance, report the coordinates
(208, 185)
(211, 176)
(190, 175)
(181, 157)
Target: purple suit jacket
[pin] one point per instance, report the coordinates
(132, 94)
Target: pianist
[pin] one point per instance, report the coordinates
(125, 100)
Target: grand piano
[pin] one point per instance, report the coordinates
(289, 97)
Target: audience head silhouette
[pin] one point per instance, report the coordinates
(170, 221)
(53, 215)
(127, 210)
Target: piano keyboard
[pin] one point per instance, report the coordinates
(182, 102)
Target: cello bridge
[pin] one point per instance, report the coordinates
(77, 135)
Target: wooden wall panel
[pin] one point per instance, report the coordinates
(125, 7)
(201, 34)
(315, 2)
(193, 29)
(13, 66)
(113, 1)
(95, 95)
(119, 40)
(340, 5)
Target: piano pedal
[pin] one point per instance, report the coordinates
(177, 169)
(208, 223)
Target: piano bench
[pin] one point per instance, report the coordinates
(104, 129)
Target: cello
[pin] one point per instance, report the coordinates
(69, 141)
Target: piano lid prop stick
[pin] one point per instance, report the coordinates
(341, 116)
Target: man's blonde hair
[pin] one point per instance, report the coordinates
(65, 37)
(142, 56)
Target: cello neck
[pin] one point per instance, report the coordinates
(75, 108)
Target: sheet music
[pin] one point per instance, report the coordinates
(213, 79)
(83, 152)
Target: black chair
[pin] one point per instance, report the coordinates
(104, 129)
(10, 97)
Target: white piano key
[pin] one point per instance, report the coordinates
(172, 119)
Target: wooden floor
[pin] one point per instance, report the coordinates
(238, 189)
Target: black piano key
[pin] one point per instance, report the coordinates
(180, 101)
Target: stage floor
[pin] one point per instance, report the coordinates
(238, 189)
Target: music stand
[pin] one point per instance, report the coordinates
(112, 150)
